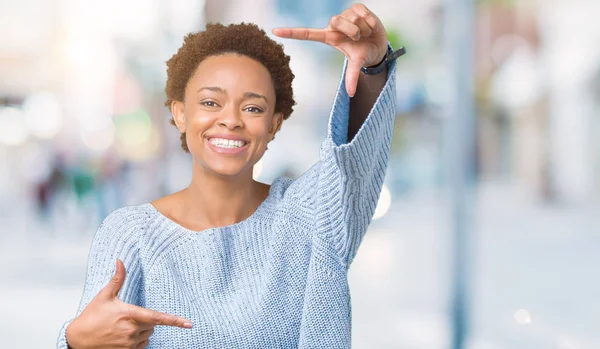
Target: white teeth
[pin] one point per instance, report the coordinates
(226, 143)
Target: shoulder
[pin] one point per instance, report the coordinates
(127, 215)
(299, 191)
(118, 238)
(123, 224)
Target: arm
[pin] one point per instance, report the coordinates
(344, 186)
(351, 172)
(115, 239)
(111, 313)
(368, 89)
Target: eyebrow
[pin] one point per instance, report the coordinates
(247, 95)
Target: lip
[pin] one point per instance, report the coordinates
(227, 151)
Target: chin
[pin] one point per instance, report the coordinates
(226, 167)
(228, 171)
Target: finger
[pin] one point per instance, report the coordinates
(343, 25)
(352, 73)
(111, 290)
(311, 34)
(369, 17)
(146, 334)
(363, 26)
(143, 344)
(147, 316)
(142, 326)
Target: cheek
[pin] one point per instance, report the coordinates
(258, 127)
(198, 119)
(197, 124)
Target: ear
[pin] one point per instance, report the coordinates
(275, 125)
(177, 110)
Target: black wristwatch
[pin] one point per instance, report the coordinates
(390, 56)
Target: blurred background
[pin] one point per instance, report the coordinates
(507, 255)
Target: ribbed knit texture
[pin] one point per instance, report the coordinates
(275, 280)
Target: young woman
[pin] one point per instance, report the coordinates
(248, 264)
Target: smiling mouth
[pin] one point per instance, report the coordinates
(227, 143)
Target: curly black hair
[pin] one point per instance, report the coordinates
(246, 39)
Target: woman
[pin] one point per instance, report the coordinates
(249, 265)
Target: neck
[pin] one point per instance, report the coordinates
(215, 201)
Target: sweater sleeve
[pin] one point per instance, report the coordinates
(116, 238)
(351, 173)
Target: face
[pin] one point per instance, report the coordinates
(228, 114)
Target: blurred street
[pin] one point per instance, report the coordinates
(511, 131)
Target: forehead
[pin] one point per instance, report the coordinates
(233, 72)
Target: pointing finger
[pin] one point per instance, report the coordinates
(301, 33)
(147, 316)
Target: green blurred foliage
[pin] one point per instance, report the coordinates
(395, 39)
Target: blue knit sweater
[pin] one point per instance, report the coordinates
(275, 280)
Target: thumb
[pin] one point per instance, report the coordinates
(111, 290)
(352, 73)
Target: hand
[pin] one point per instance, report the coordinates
(107, 322)
(356, 32)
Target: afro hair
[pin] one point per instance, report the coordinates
(245, 39)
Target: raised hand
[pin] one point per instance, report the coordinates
(107, 322)
(356, 32)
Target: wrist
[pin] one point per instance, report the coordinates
(389, 57)
(378, 59)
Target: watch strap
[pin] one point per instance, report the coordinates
(389, 58)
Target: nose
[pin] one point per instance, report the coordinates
(231, 119)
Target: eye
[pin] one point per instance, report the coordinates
(209, 103)
(255, 110)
